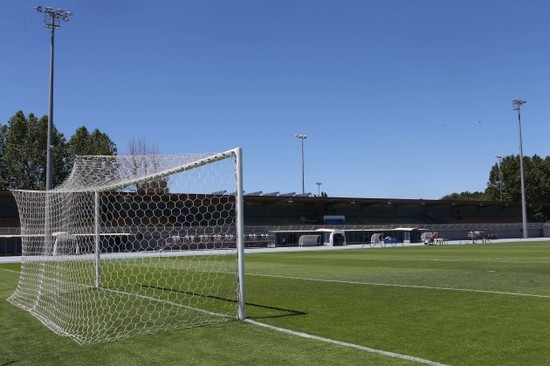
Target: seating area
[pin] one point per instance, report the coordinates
(433, 238)
(477, 236)
(383, 241)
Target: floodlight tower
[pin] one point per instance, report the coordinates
(499, 166)
(517, 103)
(52, 21)
(302, 137)
(319, 188)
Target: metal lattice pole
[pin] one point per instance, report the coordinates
(517, 103)
(52, 21)
(302, 137)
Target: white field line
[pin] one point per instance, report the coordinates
(504, 293)
(346, 344)
(168, 302)
(9, 270)
(382, 259)
(477, 260)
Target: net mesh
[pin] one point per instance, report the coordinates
(131, 245)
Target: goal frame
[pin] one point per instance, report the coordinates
(237, 152)
(96, 234)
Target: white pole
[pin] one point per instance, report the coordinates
(97, 242)
(240, 234)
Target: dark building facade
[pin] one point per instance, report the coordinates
(265, 212)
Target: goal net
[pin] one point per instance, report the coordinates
(132, 245)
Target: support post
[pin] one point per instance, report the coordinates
(241, 313)
(97, 241)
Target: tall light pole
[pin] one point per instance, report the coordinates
(52, 21)
(303, 137)
(517, 103)
(499, 166)
(319, 188)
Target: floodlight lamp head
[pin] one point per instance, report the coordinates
(498, 157)
(38, 8)
(301, 136)
(517, 103)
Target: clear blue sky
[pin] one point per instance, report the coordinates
(399, 98)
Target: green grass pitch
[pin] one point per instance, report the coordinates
(456, 305)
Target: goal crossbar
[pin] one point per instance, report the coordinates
(201, 159)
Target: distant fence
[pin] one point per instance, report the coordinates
(261, 236)
(10, 241)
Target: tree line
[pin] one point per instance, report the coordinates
(504, 184)
(23, 142)
(505, 181)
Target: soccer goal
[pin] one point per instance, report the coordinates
(132, 245)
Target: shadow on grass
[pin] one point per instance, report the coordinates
(272, 311)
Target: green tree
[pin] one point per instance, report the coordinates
(537, 183)
(3, 133)
(95, 143)
(24, 153)
(85, 143)
(537, 179)
(466, 196)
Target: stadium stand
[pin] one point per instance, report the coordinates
(453, 219)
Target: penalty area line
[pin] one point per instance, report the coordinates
(346, 344)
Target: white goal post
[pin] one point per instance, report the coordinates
(132, 245)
